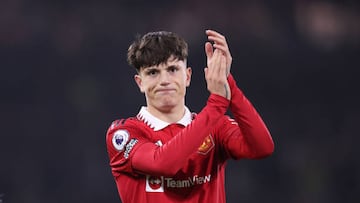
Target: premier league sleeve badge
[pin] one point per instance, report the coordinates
(120, 139)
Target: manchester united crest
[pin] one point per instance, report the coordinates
(207, 145)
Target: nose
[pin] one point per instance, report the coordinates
(164, 78)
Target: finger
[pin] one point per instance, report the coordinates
(223, 48)
(213, 64)
(221, 66)
(220, 44)
(217, 63)
(209, 50)
(217, 39)
(213, 33)
(206, 71)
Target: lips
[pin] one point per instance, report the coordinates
(165, 90)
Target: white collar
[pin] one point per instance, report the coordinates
(158, 124)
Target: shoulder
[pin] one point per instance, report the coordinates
(133, 124)
(122, 131)
(124, 126)
(125, 123)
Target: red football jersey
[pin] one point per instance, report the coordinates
(155, 161)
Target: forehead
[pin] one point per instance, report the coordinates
(170, 62)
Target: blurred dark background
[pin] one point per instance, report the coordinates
(64, 78)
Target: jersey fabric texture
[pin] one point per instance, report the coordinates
(157, 162)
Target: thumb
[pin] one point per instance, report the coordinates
(206, 71)
(209, 50)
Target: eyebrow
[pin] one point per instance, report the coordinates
(167, 67)
(147, 70)
(173, 66)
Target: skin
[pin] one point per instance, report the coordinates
(219, 44)
(164, 85)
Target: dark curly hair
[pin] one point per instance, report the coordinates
(155, 48)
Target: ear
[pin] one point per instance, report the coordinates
(188, 76)
(138, 81)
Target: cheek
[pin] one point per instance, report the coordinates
(183, 86)
(149, 87)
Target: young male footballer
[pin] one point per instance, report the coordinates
(166, 153)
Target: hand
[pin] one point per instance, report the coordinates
(219, 44)
(216, 74)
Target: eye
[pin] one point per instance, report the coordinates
(173, 69)
(151, 72)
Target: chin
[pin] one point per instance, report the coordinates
(167, 106)
(168, 101)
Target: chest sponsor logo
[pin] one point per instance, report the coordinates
(157, 184)
(207, 145)
(154, 184)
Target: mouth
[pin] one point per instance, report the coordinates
(165, 90)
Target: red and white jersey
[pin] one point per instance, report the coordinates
(155, 161)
